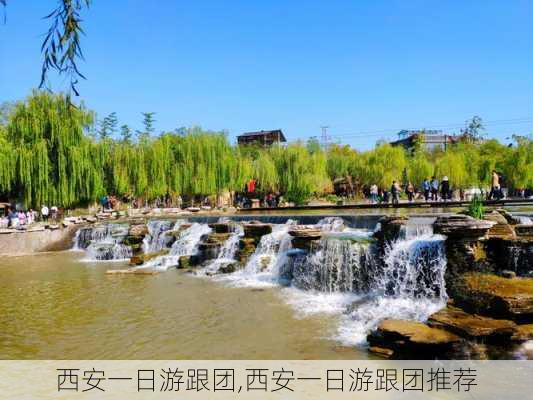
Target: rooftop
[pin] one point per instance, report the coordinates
(274, 132)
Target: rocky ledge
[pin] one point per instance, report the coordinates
(472, 326)
(410, 339)
(498, 297)
(462, 227)
(256, 229)
(140, 259)
(222, 227)
(303, 236)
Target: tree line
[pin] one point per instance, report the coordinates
(52, 152)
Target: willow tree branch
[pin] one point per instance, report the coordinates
(61, 47)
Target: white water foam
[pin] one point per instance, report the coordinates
(103, 243)
(185, 245)
(262, 269)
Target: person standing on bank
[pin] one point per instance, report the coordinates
(495, 187)
(410, 190)
(445, 188)
(426, 188)
(374, 193)
(434, 188)
(44, 213)
(395, 191)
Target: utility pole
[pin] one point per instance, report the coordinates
(325, 137)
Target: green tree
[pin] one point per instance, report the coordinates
(125, 133)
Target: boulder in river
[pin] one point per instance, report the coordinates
(412, 339)
(390, 228)
(498, 297)
(472, 326)
(462, 227)
(221, 227)
(310, 232)
(524, 230)
(305, 236)
(256, 229)
(246, 249)
(142, 258)
(210, 246)
(228, 268)
(138, 230)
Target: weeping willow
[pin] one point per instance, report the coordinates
(54, 163)
(48, 156)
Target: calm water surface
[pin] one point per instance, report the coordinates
(55, 307)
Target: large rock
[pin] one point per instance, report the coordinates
(471, 326)
(142, 258)
(390, 228)
(513, 254)
(228, 268)
(311, 232)
(210, 247)
(305, 236)
(497, 217)
(221, 227)
(462, 227)
(524, 230)
(412, 339)
(138, 230)
(498, 297)
(256, 229)
(523, 333)
(246, 249)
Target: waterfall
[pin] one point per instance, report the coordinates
(157, 238)
(524, 220)
(331, 224)
(227, 252)
(345, 272)
(409, 285)
(262, 269)
(334, 265)
(103, 243)
(185, 245)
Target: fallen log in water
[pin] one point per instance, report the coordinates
(131, 271)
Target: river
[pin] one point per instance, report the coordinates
(55, 306)
(288, 300)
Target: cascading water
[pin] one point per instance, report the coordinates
(334, 265)
(103, 243)
(331, 224)
(262, 269)
(344, 272)
(341, 273)
(157, 238)
(408, 285)
(185, 245)
(227, 252)
(525, 220)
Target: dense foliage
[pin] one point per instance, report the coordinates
(51, 153)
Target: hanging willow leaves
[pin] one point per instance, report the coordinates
(47, 155)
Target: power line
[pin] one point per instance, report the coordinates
(325, 137)
(393, 131)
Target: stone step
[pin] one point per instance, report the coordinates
(471, 326)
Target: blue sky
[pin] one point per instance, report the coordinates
(364, 68)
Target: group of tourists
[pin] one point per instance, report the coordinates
(20, 218)
(431, 189)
